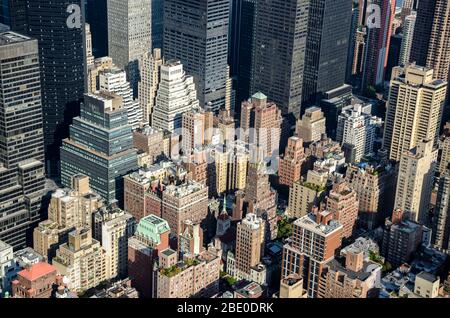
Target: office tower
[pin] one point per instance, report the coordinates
(307, 193)
(13, 13)
(353, 277)
(280, 46)
(378, 42)
(176, 95)
(21, 143)
(98, 19)
(249, 246)
(444, 150)
(358, 129)
(401, 238)
(261, 124)
(114, 81)
(61, 52)
(431, 41)
(68, 209)
(375, 185)
(113, 227)
(152, 142)
(261, 198)
(326, 47)
(129, 35)
(290, 165)
(196, 32)
(314, 241)
(332, 104)
(194, 276)
(149, 67)
(192, 130)
(441, 218)
(100, 64)
(83, 260)
(157, 24)
(241, 47)
(149, 240)
(100, 146)
(415, 180)
(88, 46)
(187, 201)
(342, 203)
(414, 109)
(353, 37)
(393, 59)
(407, 40)
(238, 167)
(311, 126)
(35, 282)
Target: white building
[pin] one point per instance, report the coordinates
(358, 129)
(115, 80)
(176, 94)
(6, 264)
(408, 33)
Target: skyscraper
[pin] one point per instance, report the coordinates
(61, 52)
(129, 35)
(441, 219)
(326, 47)
(289, 167)
(176, 95)
(377, 47)
(280, 45)
(21, 141)
(150, 68)
(408, 34)
(414, 109)
(312, 125)
(196, 33)
(96, 17)
(100, 146)
(157, 24)
(415, 180)
(431, 41)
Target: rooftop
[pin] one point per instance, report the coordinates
(37, 270)
(11, 37)
(309, 222)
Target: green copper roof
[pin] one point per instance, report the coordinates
(151, 227)
(259, 95)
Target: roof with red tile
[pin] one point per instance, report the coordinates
(36, 271)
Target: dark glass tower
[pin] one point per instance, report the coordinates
(22, 176)
(61, 55)
(157, 24)
(279, 52)
(326, 47)
(98, 19)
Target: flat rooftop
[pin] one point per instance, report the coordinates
(11, 37)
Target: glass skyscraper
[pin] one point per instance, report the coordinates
(100, 146)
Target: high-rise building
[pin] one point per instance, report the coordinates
(280, 46)
(100, 146)
(88, 46)
(313, 243)
(68, 209)
(114, 81)
(441, 219)
(375, 185)
(21, 142)
(249, 247)
(378, 41)
(326, 47)
(444, 149)
(407, 40)
(261, 124)
(187, 201)
(157, 24)
(196, 32)
(342, 203)
(13, 13)
(82, 260)
(149, 240)
(307, 193)
(414, 110)
(192, 130)
(431, 41)
(311, 126)
(100, 64)
(153, 142)
(176, 95)
(401, 238)
(358, 129)
(150, 68)
(61, 52)
(129, 35)
(290, 165)
(415, 180)
(113, 227)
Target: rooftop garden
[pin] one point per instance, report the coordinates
(284, 228)
(312, 186)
